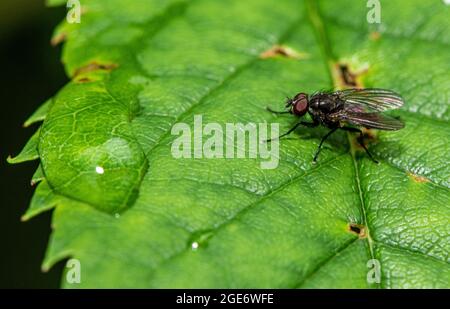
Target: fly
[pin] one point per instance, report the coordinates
(345, 110)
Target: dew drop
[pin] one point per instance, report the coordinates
(99, 170)
(194, 245)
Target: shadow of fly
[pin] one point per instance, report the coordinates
(345, 110)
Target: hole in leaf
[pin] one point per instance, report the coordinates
(347, 77)
(358, 229)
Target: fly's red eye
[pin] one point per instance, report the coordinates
(300, 104)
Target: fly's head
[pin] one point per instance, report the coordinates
(298, 105)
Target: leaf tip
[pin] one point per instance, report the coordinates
(21, 158)
(58, 39)
(45, 268)
(52, 259)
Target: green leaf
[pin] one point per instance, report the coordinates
(134, 216)
(43, 199)
(29, 152)
(39, 114)
(38, 176)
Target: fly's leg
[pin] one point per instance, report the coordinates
(301, 123)
(360, 140)
(321, 142)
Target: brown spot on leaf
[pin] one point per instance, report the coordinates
(375, 36)
(346, 77)
(282, 50)
(369, 136)
(358, 229)
(418, 178)
(83, 80)
(94, 66)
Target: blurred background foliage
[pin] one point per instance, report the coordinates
(31, 73)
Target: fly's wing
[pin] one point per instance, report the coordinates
(371, 120)
(369, 100)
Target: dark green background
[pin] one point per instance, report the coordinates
(31, 73)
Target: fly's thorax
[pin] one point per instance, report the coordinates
(316, 115)
(322, 107)
(326, 103)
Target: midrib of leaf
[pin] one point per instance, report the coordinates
(323, 40)
(361, 198)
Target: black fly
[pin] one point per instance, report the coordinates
(336, 110)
